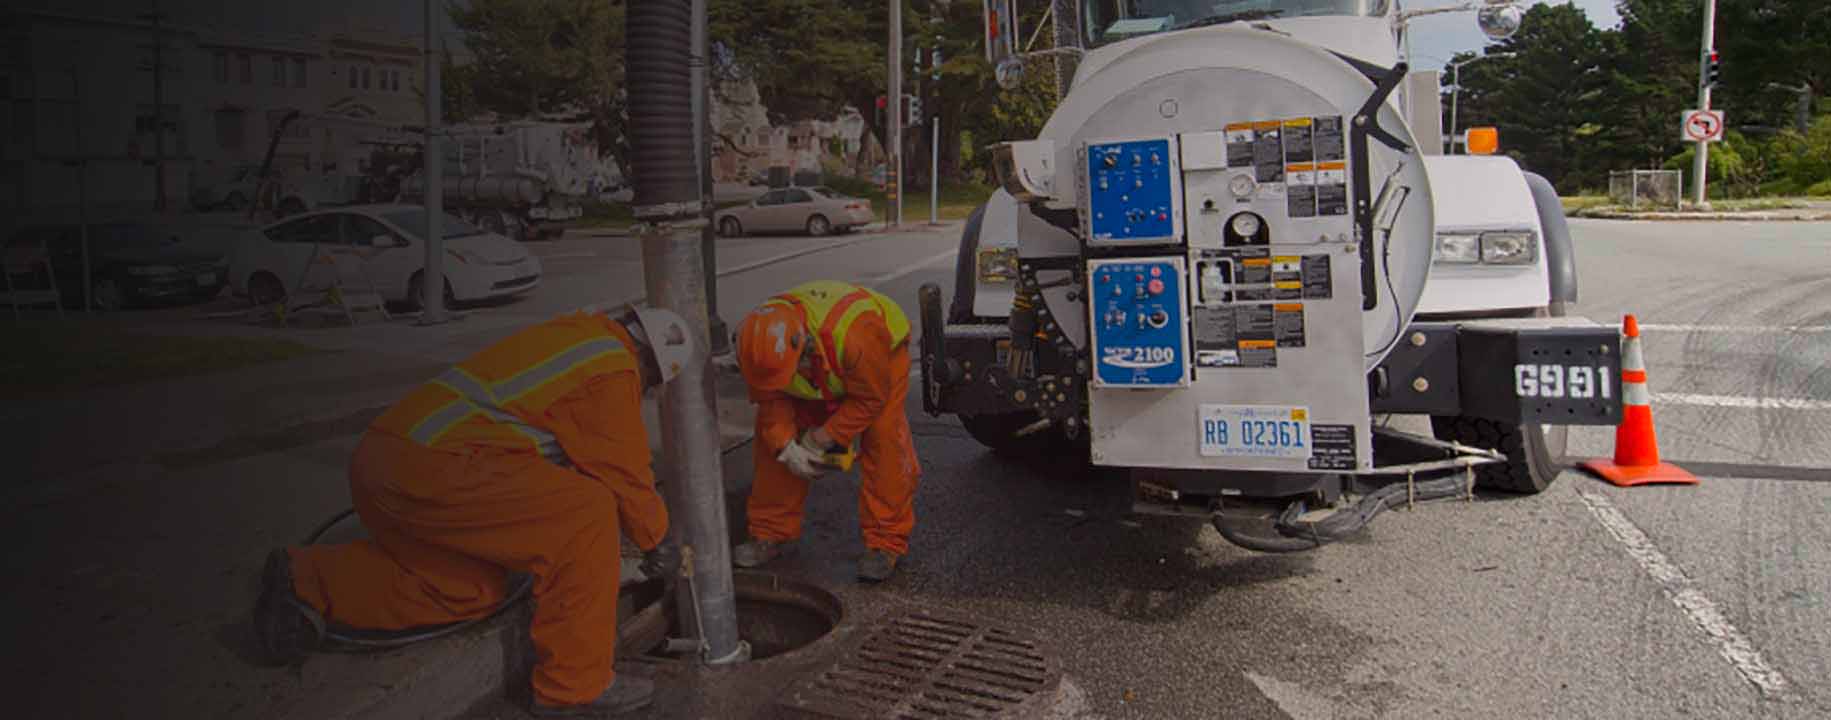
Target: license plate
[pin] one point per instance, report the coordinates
(206, 279)
(1264, 431)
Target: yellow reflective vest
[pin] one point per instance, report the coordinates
(830, 309)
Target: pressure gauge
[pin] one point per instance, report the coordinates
(1245, 225)
(1241, 185)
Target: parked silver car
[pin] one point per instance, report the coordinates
(814, 210)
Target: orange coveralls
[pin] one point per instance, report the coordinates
(538, 476)
(873, 374)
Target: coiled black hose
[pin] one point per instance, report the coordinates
(389, 639)
(1296, 535)
(659, 57)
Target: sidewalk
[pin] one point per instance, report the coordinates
(146, 511)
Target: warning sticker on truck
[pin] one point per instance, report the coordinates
(1327, 139)
(1287, 322)
(1317, 282)
(1332, 188)
(1301, 177)
(1297, 145)
(1239, 145)
(1268, 151)
(1332, 447)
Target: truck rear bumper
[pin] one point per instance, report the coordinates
(1550, 371)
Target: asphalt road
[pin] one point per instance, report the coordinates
(1586, 601)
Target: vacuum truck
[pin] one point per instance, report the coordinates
(1235, 256)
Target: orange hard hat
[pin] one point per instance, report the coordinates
(769, 343)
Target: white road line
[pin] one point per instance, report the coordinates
(1785, 329)
(1740, 401)
(1683, 592)
(912, 269)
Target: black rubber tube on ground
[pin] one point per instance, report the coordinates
(1300, 536)
(389, 640)
(660, 81)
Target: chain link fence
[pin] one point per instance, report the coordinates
(1646, 188)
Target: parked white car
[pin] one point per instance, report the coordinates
(277, 259)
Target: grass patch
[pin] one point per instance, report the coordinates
(44, 359)
(1755, 204)
(1580, 203)
(956, 201)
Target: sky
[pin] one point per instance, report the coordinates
(1434, 39)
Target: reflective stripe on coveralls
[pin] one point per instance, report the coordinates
(447, 519)
(474, 397)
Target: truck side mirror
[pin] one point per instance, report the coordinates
(1001, 42)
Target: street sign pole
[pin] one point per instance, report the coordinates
(934, 174)
(895, 113)
(432, 279)
(1700, 168)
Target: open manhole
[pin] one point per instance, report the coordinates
(775, 615)
(926, 665)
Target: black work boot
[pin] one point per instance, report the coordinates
(288, 629)
(624, 694)
(876, 566)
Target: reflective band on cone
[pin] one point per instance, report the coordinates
(1636, 459)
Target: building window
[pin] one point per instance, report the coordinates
(222, 67)
(245, 65)
(279, 71)
(298, 72)
(231, 127)
(353, 76)
(365, 78)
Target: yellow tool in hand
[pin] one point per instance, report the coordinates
(837, 459)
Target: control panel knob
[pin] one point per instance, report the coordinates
(1111, 160)
(1159, 319)
(1156, 286)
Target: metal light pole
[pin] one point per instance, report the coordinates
(1456, 94)
(702, 144)
(1700, 169)
(432, 278)
(894, 109)
(158, 20)
(668, 203)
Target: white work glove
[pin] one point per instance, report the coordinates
(801, 460)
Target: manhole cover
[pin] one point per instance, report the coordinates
(926, 665)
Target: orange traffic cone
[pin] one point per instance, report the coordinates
(1636, 449)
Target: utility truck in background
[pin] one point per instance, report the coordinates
(1235, 254)
(522, 180)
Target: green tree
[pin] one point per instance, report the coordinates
(544, 58)
(1546, 97)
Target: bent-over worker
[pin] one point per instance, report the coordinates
(528, 457)
(828, 367)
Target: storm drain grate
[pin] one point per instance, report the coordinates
(930, 666)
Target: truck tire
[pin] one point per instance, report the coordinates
(1535, 453)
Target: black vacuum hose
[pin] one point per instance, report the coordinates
(1295, 535)
(389, 639)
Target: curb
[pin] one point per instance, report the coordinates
(1707, 217)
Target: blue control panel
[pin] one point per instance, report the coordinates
(1140, 338)
(1132, 193)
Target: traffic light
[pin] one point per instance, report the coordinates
(914, 106)
(882, 117)
(1713, 70)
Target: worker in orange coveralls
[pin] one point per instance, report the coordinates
(529, 457)
(828, 366)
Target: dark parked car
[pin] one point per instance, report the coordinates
(132, 263)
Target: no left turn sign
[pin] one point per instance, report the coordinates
(1703, 125)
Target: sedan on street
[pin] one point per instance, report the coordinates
(814, 210)
(130, 263)
(388, 240)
